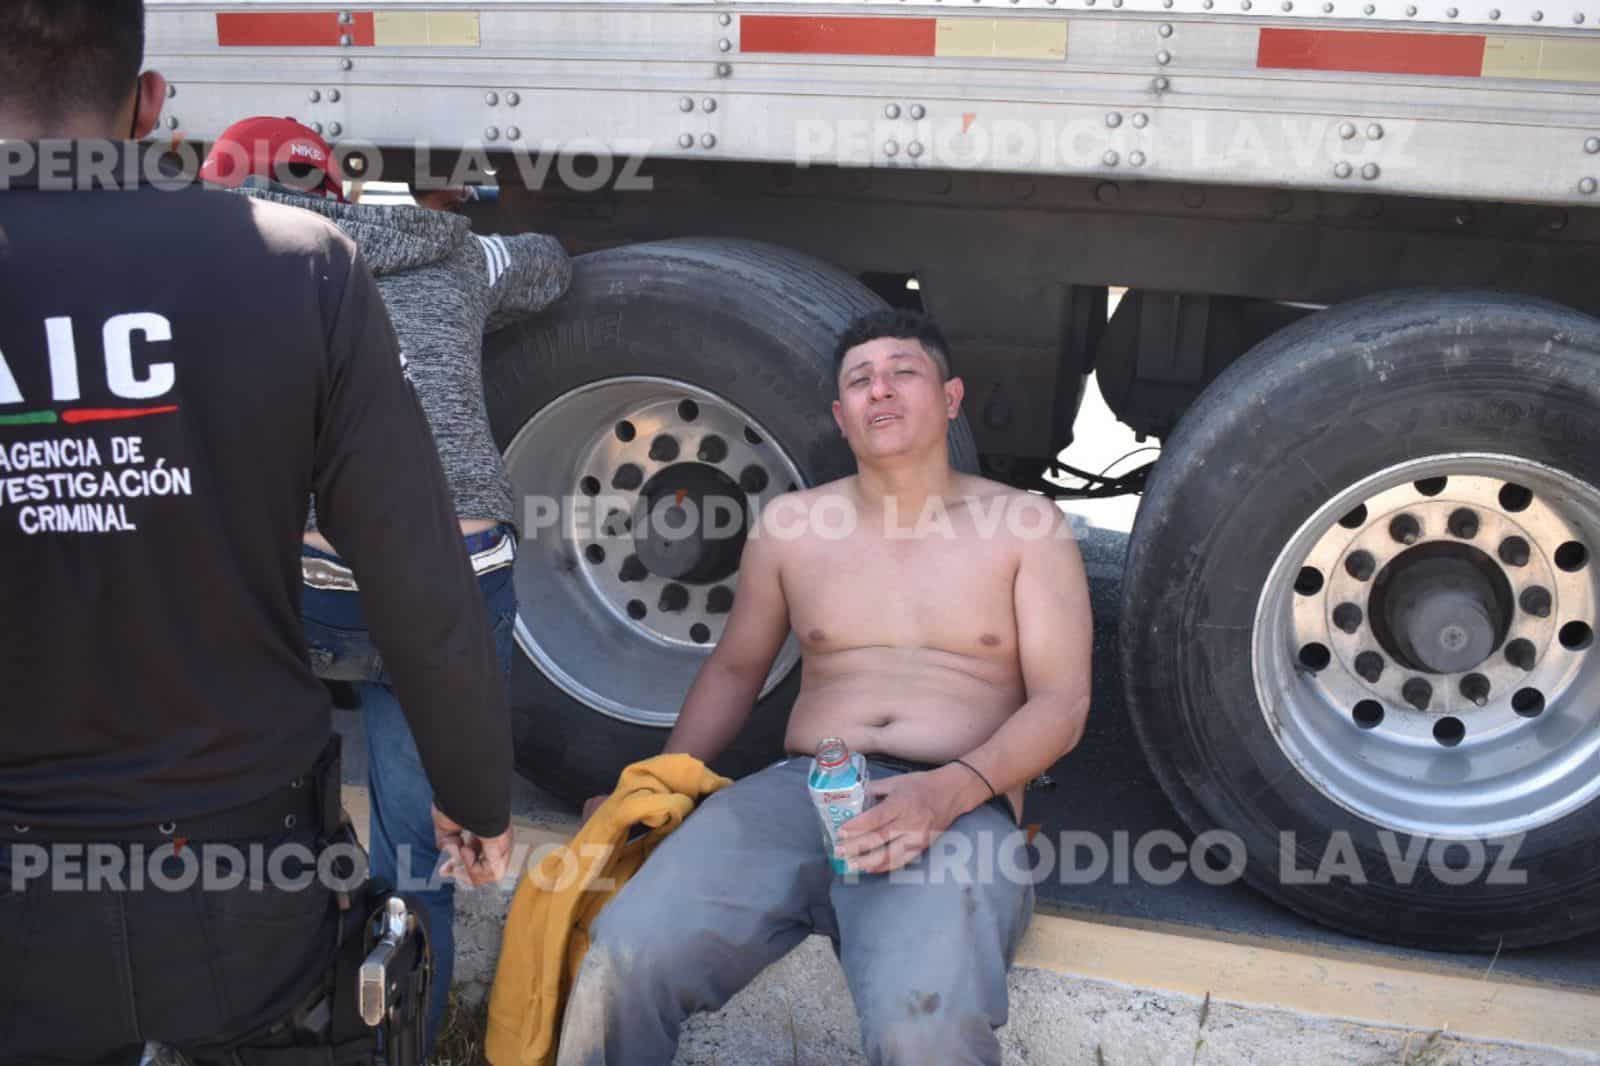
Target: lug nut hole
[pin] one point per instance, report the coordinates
(1315, 657)
(1572, 556)
(626, 432)
(1356, 518)
(1449, 731)
(1515, 498)
(754, 480)
(1430, 486)
(1309, 583)
(1576, 636)
(1368, 714)
(1528, 702)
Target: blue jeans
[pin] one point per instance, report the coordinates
(401, 832)
(746, 878)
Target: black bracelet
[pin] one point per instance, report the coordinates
(974, 769)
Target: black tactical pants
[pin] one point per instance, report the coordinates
(196, 946)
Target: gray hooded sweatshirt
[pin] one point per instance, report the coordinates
(445, 287)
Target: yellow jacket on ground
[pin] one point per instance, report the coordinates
(547, 932)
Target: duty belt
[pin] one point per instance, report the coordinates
(303, 803)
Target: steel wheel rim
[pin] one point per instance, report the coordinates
(1506, 766)
(624, 647)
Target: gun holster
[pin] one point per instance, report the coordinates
(394, 979)
(371, 1007)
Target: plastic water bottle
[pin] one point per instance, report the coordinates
(838, 784)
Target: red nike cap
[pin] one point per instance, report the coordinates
(266, 147)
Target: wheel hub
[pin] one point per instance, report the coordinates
(1420, 649)
(1442, 608)
(627, 585)
(697, 524)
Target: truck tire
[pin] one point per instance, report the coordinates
(698, 366)
(1357, 629)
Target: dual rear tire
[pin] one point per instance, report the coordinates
(1356, 619)
(1306, 519)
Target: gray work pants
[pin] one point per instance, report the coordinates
(746, 878)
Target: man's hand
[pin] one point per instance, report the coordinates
(911, 810)
(471, 860)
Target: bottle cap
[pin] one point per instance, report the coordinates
(832, 752)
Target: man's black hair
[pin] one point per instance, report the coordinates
(65, 57)
(901, 324)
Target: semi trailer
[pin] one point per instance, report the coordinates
(1359, 246)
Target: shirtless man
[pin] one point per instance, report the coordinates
(945, 629)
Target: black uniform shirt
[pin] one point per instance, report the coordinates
(179, 371)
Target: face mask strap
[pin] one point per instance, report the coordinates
(138, 100)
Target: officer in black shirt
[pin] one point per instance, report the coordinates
(179, 372)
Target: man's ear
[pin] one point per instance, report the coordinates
(152, 97)
(955, 390)
(838, 416)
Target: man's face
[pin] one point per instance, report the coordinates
(447, 200)
(893, 399)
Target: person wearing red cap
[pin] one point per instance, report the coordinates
(178, 369)
(444, 288)
(276, 150)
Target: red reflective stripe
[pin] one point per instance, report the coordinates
(1370, 52)
(804, 35)
(292, 29)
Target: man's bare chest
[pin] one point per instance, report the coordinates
(952, 596)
